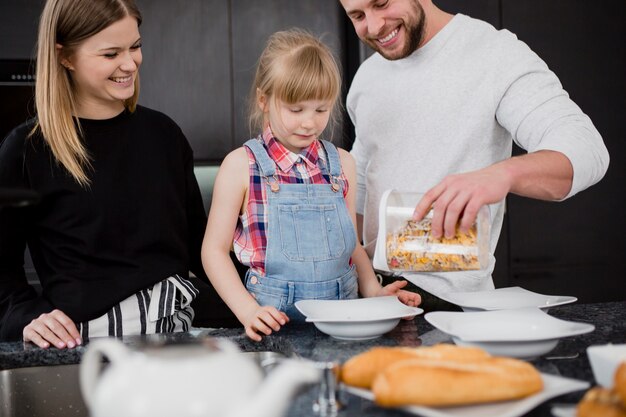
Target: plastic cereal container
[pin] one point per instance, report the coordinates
(408, 246)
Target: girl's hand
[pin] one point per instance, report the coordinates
(54, 328)
(412, 299)
(264, 319)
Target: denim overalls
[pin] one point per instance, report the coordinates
(310, 239)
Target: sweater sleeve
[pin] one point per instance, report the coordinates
(19, 303)
(540, 115)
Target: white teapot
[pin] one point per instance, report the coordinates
(187, 381)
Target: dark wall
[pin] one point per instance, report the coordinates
(199, 58)
(18, 28)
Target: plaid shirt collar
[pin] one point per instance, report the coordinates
(284, 158)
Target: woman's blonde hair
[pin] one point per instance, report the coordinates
(295, 66)
(68, 23)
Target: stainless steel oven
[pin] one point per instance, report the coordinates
(17, 104)
(17, 90)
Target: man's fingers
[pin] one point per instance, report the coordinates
(469, 215)
(439, 216)
(426, 203)
(452, 215)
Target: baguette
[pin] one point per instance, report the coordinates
(360, 370)
(440, 382)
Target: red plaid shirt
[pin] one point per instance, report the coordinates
(250, 242)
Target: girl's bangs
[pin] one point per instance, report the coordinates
(308, 79)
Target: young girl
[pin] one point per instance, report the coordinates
(121, 220)
(284, 200)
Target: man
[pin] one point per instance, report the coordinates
(436, 110)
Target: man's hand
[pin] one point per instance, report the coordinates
(459, 197)
(545, 175)
(54, 328)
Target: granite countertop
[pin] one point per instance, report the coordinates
(306, 341)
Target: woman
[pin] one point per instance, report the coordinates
(121, 217)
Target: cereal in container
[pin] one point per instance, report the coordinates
(409, 246)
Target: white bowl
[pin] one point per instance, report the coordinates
(604, 361)
(358, 319)
(505, 298)
(522, 350)
(520, 333)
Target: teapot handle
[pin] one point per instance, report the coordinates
(91, 364)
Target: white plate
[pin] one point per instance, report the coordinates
(553, 387)
(358, 319)
(520, 333)
(505, 298)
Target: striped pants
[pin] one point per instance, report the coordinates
(164, 308)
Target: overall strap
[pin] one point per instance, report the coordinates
(263, 160)
(334, 163)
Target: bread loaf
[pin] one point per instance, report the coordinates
(620, 382)
(440, 382)
(360, 370)
(601, 402)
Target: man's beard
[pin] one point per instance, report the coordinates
(414, 35)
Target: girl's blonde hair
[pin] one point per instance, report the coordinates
(294, 66)
(68, 23)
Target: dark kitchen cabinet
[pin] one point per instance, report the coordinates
(576, 246)
(186, 71)
(200, 57)
(18, 28)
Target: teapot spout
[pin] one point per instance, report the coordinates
(273, 397)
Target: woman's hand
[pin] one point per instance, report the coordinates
(264, 319)
(54, 328)
(412, 299)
